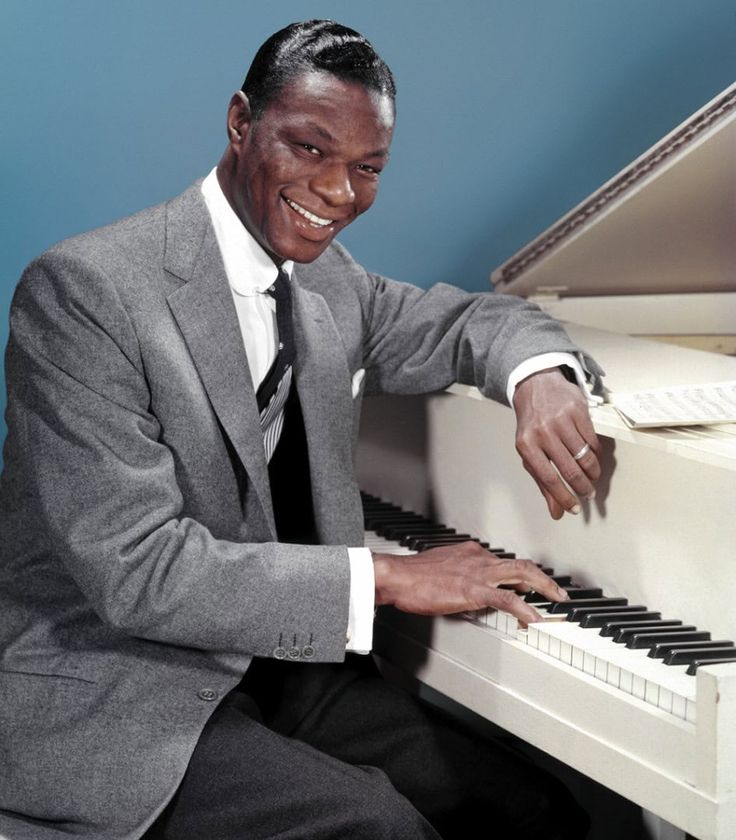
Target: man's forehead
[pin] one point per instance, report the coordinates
(315, 89)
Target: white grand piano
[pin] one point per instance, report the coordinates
(642, 272)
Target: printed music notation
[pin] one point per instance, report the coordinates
(685, 405)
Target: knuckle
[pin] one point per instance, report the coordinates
(572, 474)
(522, 565)
(506, 599)
(549, 479)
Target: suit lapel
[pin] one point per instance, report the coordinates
(204, 310)
(324, 386)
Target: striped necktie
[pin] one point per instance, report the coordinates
(274, 390)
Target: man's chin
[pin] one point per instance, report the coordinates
(304, 251)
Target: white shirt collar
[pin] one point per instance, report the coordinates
(250, 271)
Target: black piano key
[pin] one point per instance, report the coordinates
(611, 628)
(623, 636)
(374, 522)
(377, 505)
(685, 657)
(395, 516)
(647, 638)
(425, 543)
(580, 593)
(419, 526)
(383, 507)
(408, 529)
(417, 543)
(562, 580)
(597, 617)
(566, 606)
(409, 539)
(661, 650)
(693, 666)
(576, 593)
(580, 610)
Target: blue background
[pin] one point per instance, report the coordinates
(509, 112)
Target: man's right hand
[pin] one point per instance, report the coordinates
(459, 578)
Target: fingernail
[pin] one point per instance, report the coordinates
(564, 595)
(591, 496)
(575, 509)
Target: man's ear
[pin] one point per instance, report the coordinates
(239, 118)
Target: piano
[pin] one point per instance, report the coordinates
(644, 275)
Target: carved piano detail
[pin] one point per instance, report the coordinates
(661, 532)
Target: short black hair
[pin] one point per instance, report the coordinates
(314, 45)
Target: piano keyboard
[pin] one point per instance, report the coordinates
(629, 647)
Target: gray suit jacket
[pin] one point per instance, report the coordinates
(139, 570)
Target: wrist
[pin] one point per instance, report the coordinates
(383, 565)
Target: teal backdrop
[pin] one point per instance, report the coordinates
(509, 112)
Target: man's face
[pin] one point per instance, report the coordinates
(309, 165)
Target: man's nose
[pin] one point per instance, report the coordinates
(333, 185)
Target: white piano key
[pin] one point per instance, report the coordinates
(665, 699)
(637, 686)
(651, 692)
(566, 652)
(631, 670)
(554, 648)
(679, 706)
(601, 669)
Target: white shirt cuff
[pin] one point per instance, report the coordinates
(362, 601)
(549, 360)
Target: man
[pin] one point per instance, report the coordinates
(181, 571)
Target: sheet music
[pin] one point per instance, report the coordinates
(686, 405)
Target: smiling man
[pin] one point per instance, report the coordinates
(184, 593)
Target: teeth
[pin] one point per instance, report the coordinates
(310, 217)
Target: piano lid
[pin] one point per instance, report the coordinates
(665, 224)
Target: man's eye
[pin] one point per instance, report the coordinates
(313, 150)
(370, 170)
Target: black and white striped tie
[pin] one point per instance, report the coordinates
(274, 390)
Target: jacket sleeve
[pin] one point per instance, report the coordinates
(416, 341)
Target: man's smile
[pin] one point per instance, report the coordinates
(313, 219)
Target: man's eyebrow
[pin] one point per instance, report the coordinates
(323, 132)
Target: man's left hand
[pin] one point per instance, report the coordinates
(552, 427)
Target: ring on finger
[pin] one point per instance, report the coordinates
(583, 452)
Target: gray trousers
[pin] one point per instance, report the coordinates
(333, 751)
